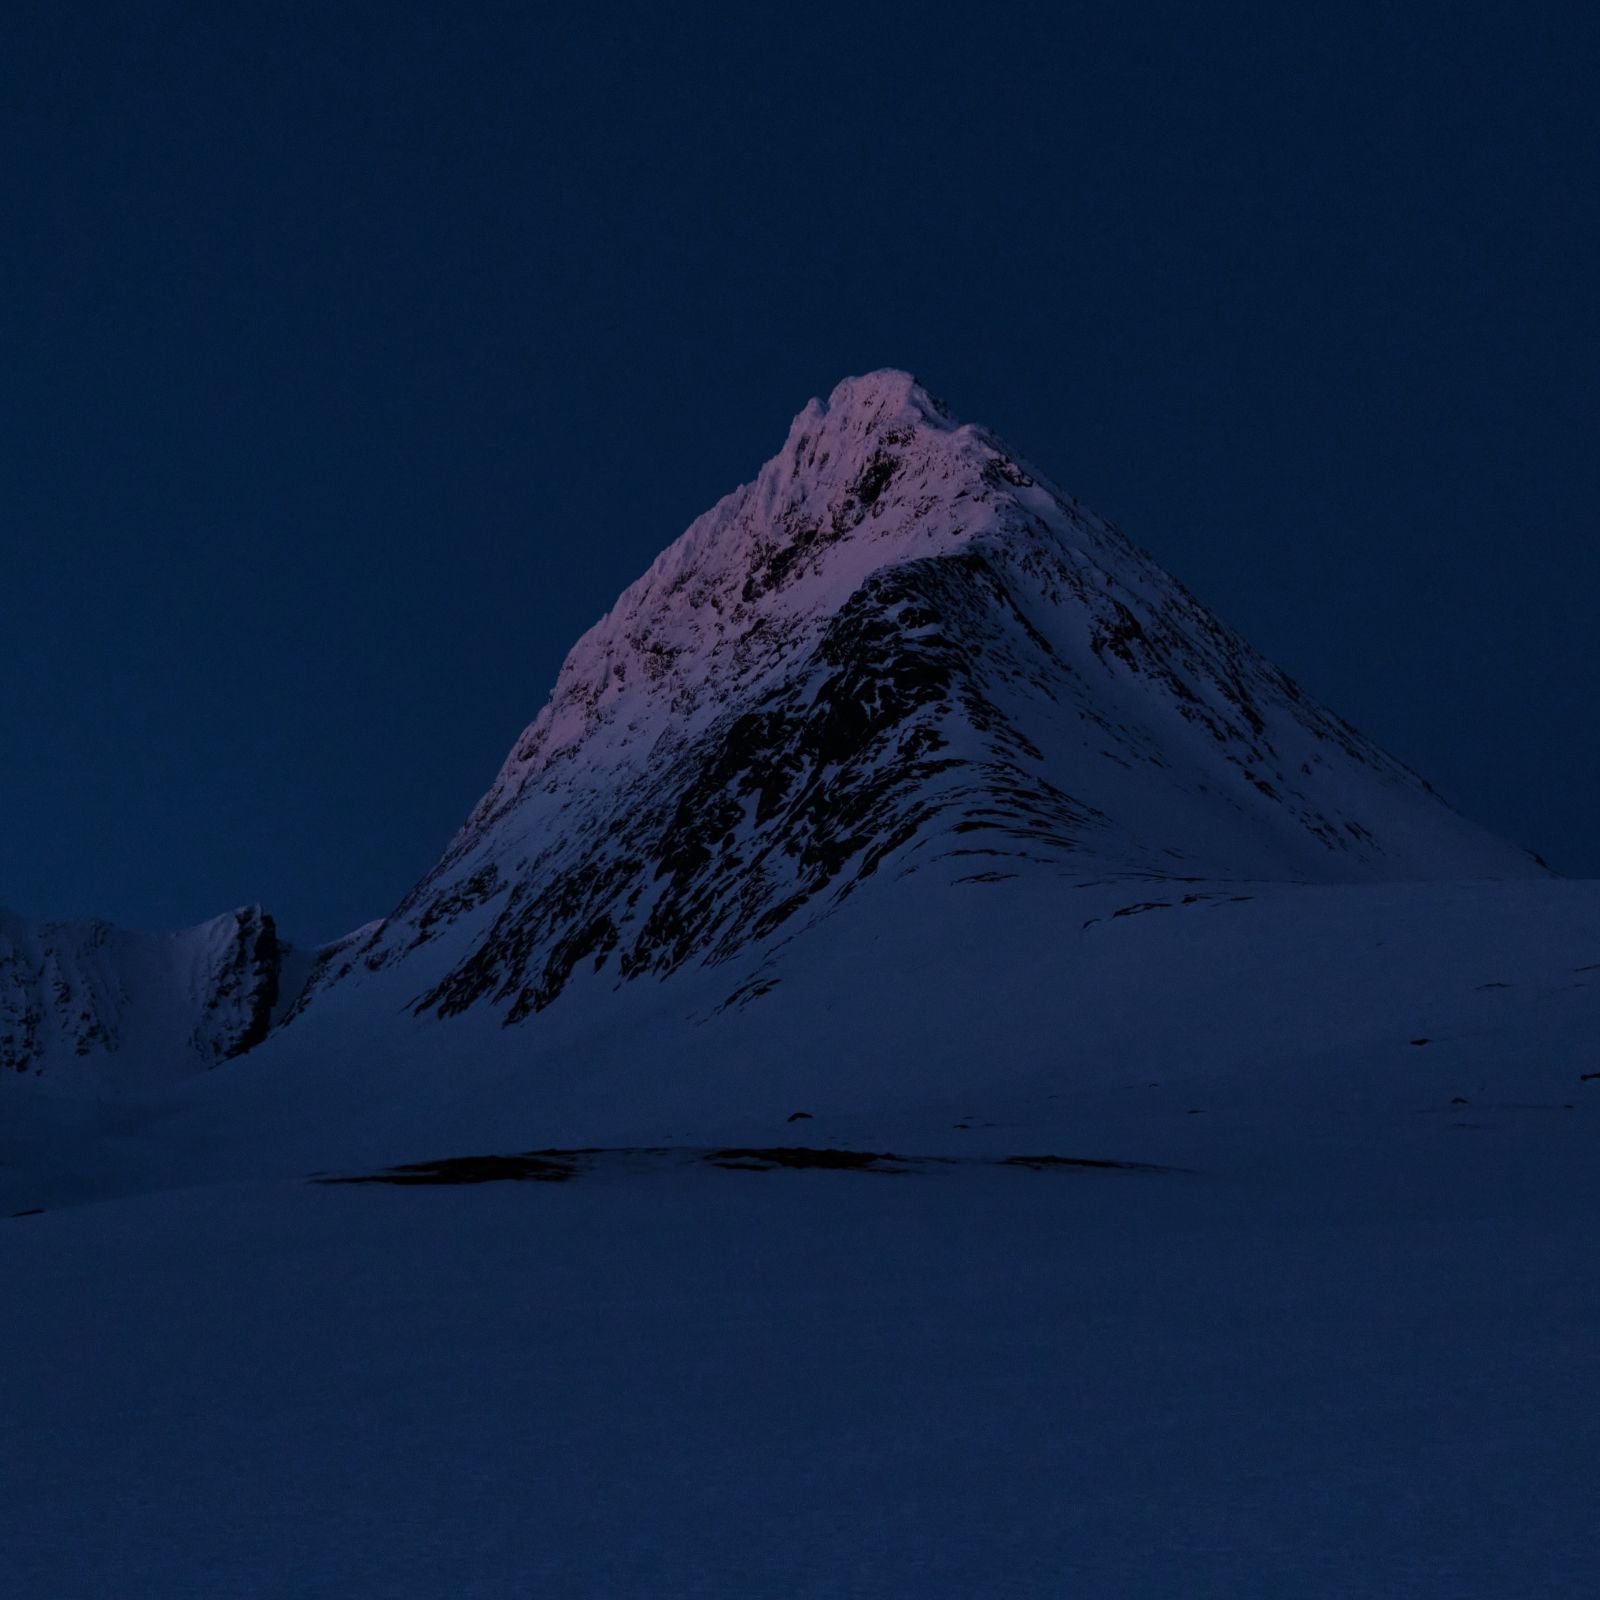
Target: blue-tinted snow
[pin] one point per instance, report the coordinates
(1349, 1352)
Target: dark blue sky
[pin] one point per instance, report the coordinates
(354, 357)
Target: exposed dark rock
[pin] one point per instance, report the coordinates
(800, 1157)
(472, 1169)
(787, 804)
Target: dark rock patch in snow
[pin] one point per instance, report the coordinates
(559, 1166)
(803, 1157)
(1055, 1163)
(546, 1167)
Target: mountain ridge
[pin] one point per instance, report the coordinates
(857, 647)
(899, 647)
(89, 997)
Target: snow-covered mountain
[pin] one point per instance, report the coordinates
(899, 647)
(1087, 1135)
(98, 1005)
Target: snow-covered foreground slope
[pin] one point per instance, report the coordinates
(1367, 1380)
(1343, 1348)
(931, 1000)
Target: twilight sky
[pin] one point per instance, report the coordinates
(354, 357)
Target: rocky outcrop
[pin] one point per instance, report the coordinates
(85, 999)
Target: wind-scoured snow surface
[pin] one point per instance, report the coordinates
(933, 1071)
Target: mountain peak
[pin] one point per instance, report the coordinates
(895, 651)
(895, 647)
(876, 474)
(886, 397)
(91, 1003)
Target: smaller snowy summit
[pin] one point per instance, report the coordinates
(92, 1005)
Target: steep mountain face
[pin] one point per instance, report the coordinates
(898, 649)
(86, 1002)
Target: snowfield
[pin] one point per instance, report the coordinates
(821, 1384)
(1346, 1347)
